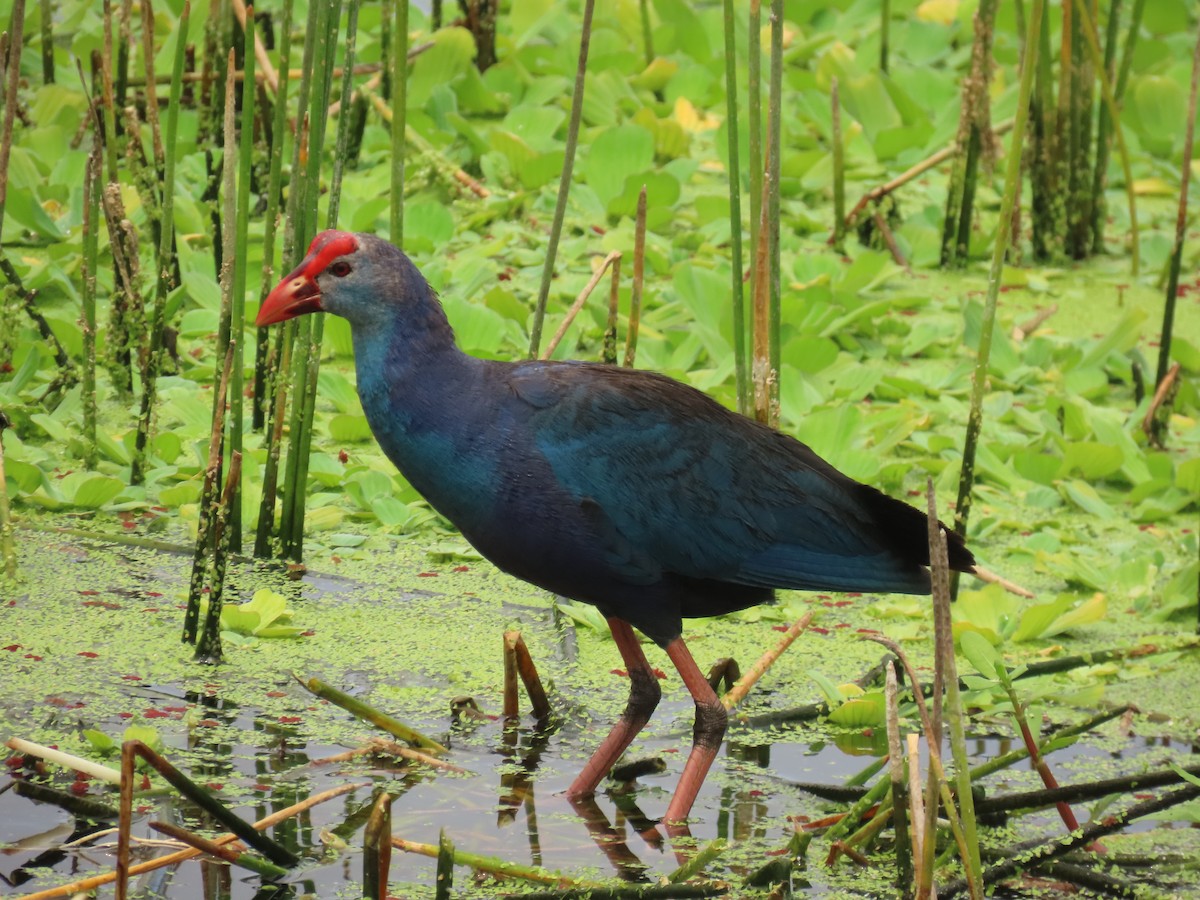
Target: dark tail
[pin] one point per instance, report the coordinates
(908, 528)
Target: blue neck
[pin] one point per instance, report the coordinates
(419, 391)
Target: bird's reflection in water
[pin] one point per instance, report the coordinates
(741, 811)
(610, 838)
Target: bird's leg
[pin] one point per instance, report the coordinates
(707, 734)
(644, 694)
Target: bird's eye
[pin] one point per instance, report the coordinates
(341, 268)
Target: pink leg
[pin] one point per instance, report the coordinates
(706, 736)
(644, 693)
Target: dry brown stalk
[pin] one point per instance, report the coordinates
(881, 191)
(1161, 393)
(916, 799)
(382, 745)
(269, 75)
(424, 146)
(577, 306)
(890, 240)
(523, 662)
(738, 692)
(1034, 322)
(991, 577)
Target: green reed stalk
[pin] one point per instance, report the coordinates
(91, 245)
(564, 182)
(208, 646)
(296, 331)
(305, 389)
(208, 499)
(445, 867)
(734, 176)
(270, 478)
(110, 106)
(399, 63)
(1110, 102)
(226, 334)
(267, 372)
(973, 120)
(754, 121)
(839, 169)
(1012, 175)
(151, 89)
(1131, 38)
(163, 259)
(647, 34)
(242, 225)
(608, 351)
(1079, 164)
(1104, 131)
(1168, 324)
(201, 797)
(1044, 204)
(639, 273)
(125, 35)
(341, 147)
(47, 42)
(760, 314)
(228, 344)
(8, 551)
(945, 661)
(774, 137)
(12, 81)
(885, 27)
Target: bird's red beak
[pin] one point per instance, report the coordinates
(295, 295)
(298, 293)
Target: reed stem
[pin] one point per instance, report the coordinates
(639, 274)
(164, 261)
(399, 98)
(445, 867)
(91, 244)
(1168, 322)
(205, 533)
(202, 797)
(1104, 131)
(46, 13)
(369, 714)
(1090, 41)
(8, 550)
(647, 34)
(754, 122)
(839, 169)
(266, 371)
(962, 509)
(242, 226)
(377, 848)
(944, 650)
(774, 170)
(12, 82)
(734, 177)
(564, 182)
(885, 27)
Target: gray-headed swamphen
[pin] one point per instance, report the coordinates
(617, 487)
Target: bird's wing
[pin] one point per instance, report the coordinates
(677, 480)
